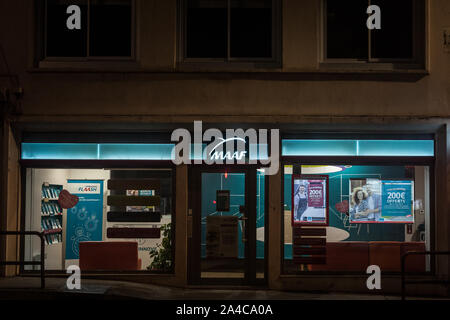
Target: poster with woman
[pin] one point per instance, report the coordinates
(310, 200)
(381, 201)
(365, 200)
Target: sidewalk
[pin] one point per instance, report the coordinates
(25, 288)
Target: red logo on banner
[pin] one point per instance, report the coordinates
(315, 194)
(67, 200)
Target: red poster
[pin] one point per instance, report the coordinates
(67, 200)
(315, 194)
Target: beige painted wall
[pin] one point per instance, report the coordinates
(13, 203)
(175, 95)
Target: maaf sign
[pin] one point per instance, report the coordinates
(237, 147)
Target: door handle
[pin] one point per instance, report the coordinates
(243, 219)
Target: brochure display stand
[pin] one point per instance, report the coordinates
(52, 225)
(51, 214)
(309, 245)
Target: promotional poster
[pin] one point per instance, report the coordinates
(397, 201)
(85, 220)
(381, 201)
(310, 200)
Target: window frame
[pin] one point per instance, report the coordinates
(355, 161)
(183, 62)
(417, 61)
(50, 61)
(98, 164)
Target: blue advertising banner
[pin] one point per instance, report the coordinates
(397, 200)
(85, 220)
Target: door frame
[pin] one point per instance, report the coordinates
(194, 242)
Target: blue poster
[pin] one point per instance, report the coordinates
(85, 220)
(397, 200)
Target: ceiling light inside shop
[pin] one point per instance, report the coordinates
(319, 169)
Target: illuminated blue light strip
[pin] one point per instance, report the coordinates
(93, 151)
(136, 151)
(59, 151)
(319, 147)
(108, 151)
(374, 148)
(407, 148)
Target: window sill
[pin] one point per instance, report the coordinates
(91, 65)
(233, 66)
(363, 72)
(372, 66)
(343, 74)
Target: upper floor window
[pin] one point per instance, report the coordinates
(229, 30)
(400, 39)
(106, 29)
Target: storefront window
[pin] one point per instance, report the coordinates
(344, 218)
(101, 219)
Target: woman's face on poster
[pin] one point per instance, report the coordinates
(360, 195)
(302, 189)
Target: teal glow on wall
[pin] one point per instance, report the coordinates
(318, 148)
(93, 151)
(363, 148)
(135, 151)
(111, 151)
(62, 151)
(407, 148)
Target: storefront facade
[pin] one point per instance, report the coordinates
(258, 207)
(106, 127)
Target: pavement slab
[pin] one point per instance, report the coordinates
(29, 288)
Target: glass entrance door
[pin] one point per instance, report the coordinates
(223, 225)
(228, 227)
